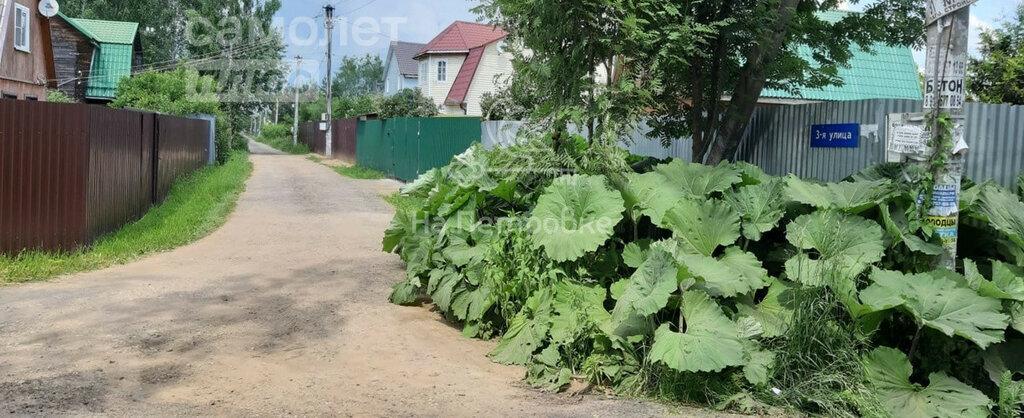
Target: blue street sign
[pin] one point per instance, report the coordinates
(846, 135)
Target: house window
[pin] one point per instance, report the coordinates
(32, 98)
(442, 71)
(423, 71)
(387, 86)
(22, 24)
(8, 96)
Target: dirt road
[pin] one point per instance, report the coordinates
(283, 311)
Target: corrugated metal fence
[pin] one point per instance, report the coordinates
(70, 173)
(779, 139)
(404, 148)
(343, 141)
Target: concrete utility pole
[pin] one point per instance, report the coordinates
(295, 85)
(329, 12)
(945, 93)
(934, 139)
(231, 108)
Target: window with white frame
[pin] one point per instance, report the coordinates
(3, 14)
(423, 71)
(22, 26)
(442, 71)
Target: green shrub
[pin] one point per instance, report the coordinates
(182, 92)
(57, 96)
(407, 103)
(280, 137)
(277, 131)
(721, 285)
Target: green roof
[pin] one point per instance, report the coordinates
(112, 63)
(114, 53)
(884, 72)
(106, 31)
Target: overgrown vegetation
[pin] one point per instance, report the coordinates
(280, 138)
(182, 92)
(197, 205)
(720, 285)
(407, 103)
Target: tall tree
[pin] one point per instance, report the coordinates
(678, 59)
(998, 75)
(359, 76)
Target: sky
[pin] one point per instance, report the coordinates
(368, 26)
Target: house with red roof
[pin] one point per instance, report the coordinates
(458, 66)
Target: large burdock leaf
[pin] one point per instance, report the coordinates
(775, 311)
(1004, 212)
(737, 272)
(658, 191)
(888, 370)
(846, 245)
(898, 227)
(646, 293)
(527, 331)
(576, 215)
(701, 227)
(577, 310)
(1007, 281)
(938, 303)
(853, 197)
(760, 206)
(710, 342)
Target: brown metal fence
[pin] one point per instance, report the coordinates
(70, 173)
(343, 141)
(182, 147)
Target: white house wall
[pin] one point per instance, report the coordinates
(438, 91)
(492, 65)
(393, 80)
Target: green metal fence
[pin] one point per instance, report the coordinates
(405, 148)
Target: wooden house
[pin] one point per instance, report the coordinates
(26, 56)
(92, 56)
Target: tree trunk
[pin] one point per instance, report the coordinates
(748, 91)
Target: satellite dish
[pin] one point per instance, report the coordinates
(49, 8)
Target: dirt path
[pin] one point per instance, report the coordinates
(282, 311)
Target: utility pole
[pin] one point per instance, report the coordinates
(329, 12)
(945, 93)
(231, 108)
(295, 85)
(934, 140)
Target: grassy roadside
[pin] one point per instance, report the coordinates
(353, 172)
(282, 143)
(195, 207)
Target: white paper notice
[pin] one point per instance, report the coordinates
(908, 139)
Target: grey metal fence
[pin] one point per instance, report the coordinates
(779, 139)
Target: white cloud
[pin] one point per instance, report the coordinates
(977, 27)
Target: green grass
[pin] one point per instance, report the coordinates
(360, 173)
(283, 144)
(196, 206)
(357, 172)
